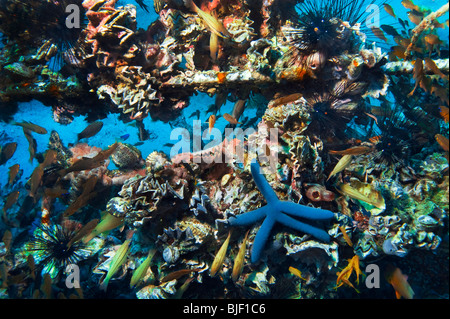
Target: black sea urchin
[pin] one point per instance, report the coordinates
(50, 249)
(30, 23)
(394, 142)
(330, 113)
(320, 25)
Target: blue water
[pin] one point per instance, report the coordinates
(113, 128)
(36, 112)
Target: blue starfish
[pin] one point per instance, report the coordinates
(275, 211)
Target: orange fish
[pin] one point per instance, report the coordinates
(49, 158)
(440, 91)
(7, 239)
(285, 99)
(417, 74)
(7, 152)
(400, 284)
(356, 150)
(238, 109)
(211, 121)
(83, 199)
(55, 192)
(379, 34)
(433, 67)
(88, 162)
(344, 275)
(86, 229)
(13, 170)
(414, 17)
(408, 4)
(389, 10)
(398, 51)
(443, 111)
(31, 143)
(230, 119)
(78, 203)
(345, 236)
(432, 41)
(10, 201)
(35, 180)
(442, 141)
(178, 274)
(296, 272)
(32, 127)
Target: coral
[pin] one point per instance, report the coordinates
(275, 211)
(127, 156)
(146, 198)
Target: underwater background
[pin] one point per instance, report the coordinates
(353, 193)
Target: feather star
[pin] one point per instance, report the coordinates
(278, 211)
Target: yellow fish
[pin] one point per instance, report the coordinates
(117, 261)
(344, 275)
(211, 22)
(213, 46)
(220, 257)
(296, 272)
(140, 272)
(343, 163)
(239, 261)
(375, 198)
(108, 222)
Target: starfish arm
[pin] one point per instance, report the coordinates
(298, 210)
(262, 184)
(305, 228)
(249, 217)
(261, 238)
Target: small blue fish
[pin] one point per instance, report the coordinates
(125, 137)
